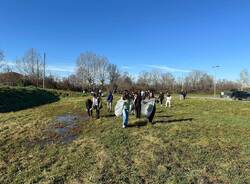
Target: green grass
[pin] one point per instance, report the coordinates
(197, 141)
(18, 98)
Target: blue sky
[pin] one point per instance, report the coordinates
(172, 35)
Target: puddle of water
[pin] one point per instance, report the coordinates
(66, 129)
(67, 118)
(63, 130)
(60, 131)
(68, 139)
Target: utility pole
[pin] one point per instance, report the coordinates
(44, 56)
(214, 67)
(37, 70)
(33, 65)
(182, 81)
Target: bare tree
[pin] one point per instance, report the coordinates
(1, 59)
(30, 64)
(125, 82)
(193, 79)
(102, 69)
(199, 81)
(206, 83)
(74, 81)
(155, 78)
(6, 68)
(144, 80)
(86, 66)
(224, 84)
(113, 73)
(244, 79)
(167, 81)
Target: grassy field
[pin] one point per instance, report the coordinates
(197, 141)
(18, 98)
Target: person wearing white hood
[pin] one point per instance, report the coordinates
(168, 100)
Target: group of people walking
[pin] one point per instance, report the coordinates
(132, 102)
(168, 99)
(96, 104)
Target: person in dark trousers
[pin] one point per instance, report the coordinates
(97, 105)
(109, 101)
(89, 105)
(137, 102)
(184, 94)
(181, 95)
(152, 115)
(161, 98)
(132, 103)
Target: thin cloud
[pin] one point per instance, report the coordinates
(10, 63)
(60, 69)
(125, 67)
(48, 67)
(167, 68)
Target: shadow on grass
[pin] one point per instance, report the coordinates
(15, 99)
(159, 111)
(173, 120)
(109, 115)
(138, 123)
(164, 116)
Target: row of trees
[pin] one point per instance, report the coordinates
(94, 71)
(195, 81)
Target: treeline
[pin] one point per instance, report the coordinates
(93, 72)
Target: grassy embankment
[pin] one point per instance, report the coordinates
(197, 141)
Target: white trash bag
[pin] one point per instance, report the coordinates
(118, 107)
(147, 107)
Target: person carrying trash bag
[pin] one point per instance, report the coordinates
(148, 109)
(151, 116)
(125, 110)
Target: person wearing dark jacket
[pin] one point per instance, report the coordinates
(161, 98)
(137, 103)
(109, 101)
(89, 104)
(184, 94)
